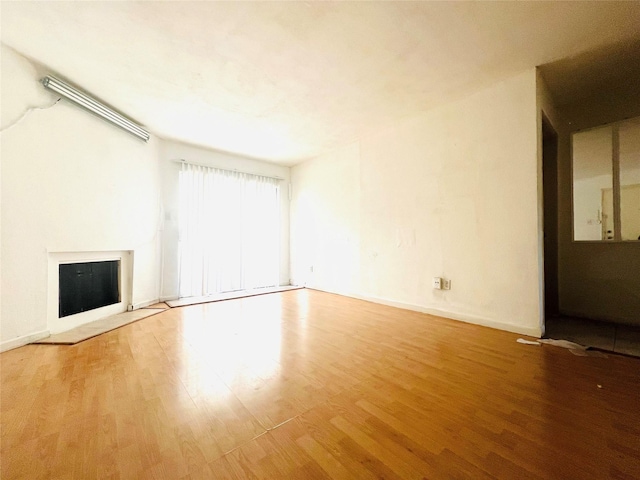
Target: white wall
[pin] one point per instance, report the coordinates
(452, 192)
(170, 153)
(325, 221)
(70, 183)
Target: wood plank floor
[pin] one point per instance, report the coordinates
(305, 384)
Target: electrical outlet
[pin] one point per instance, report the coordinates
(311, 268)
(446, 284)
(437, 283)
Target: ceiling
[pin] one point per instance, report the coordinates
(286, 81)
(612, 68)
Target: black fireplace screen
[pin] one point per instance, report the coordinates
(85, 286)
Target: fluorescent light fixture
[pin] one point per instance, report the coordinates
(85, 101)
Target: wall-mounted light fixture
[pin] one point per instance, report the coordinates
(85, 101)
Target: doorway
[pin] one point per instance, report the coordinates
(550, 215)
(589, 331)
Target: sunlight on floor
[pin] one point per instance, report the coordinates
(237, 341)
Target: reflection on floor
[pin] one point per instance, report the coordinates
(592, 333)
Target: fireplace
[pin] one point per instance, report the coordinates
(86, 286)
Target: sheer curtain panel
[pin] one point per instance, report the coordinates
(229, 231)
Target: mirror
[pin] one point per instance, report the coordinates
(630, 179)
(593, 185)
(607, 207)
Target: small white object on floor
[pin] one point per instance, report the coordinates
(563, 344)
(527, 342)
(574, 348)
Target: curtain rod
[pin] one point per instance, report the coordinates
(182, 160)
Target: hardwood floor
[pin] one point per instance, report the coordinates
(305, 384)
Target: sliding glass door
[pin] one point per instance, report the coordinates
(229, 231)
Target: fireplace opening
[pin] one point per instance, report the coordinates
(87, 286)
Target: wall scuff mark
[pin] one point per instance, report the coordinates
(26, 113)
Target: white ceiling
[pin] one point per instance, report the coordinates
(285, 81)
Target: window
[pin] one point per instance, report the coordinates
(229, 233)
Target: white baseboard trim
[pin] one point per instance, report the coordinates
(462, 317)
(23, 340)
(169, 298)
(138, 305)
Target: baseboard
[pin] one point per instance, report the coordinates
(23, 340)
(174, 298)
(236, 295)
(462, 317)
(138, 305)
(169, 298)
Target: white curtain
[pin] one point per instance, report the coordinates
(229, 231)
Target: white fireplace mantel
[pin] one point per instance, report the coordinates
(56, 324)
